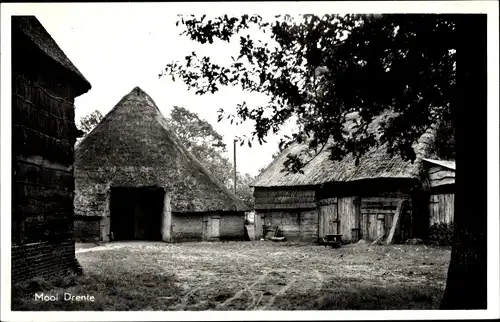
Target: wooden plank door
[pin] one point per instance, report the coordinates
(215, 227)
(206, 227)
(370, 226)
(211, 227)
(441, 208)
(328, 217)
(434, 209)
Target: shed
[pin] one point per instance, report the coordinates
(135, 180)
(441, 186)
(44, 85)
(340, 197)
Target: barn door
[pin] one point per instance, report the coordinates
(377, 214)
(328, 217)
(370, 226)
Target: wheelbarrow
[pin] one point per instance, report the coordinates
(333, 240)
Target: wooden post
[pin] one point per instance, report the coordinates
(166, 223)
(234, 162)
(395, 221)
(258, 225)
(106, 219)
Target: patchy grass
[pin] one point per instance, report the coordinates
(247, 276)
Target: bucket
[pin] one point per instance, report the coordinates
(268, 233)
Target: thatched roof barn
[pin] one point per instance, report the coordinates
(133, 148)
(376, 163)
(340, 197)
(44, 85)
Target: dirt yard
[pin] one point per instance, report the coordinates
(247, 276)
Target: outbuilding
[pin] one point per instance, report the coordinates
(379, 198)
(45, 84)
(440, 185)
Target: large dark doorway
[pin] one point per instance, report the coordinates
(136, 213)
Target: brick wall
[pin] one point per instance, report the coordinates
(43, 260)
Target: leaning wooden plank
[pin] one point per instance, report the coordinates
(395, 222)
(379, 238)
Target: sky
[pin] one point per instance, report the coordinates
(118, 48)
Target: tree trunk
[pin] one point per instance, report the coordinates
(466, 283)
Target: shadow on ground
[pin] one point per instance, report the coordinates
(118, 292)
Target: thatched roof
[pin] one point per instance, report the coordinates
(376, 163)
(134, 145)
(38, 35)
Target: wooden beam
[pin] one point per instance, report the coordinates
(105, 224)
(309, 205)
(285, 200)
(379, 238)
(442, 182)
(329, 201)
(395, 222)
(441, 175)
(166, 228)
(377, 211)
(258, 225)
(234, 164)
